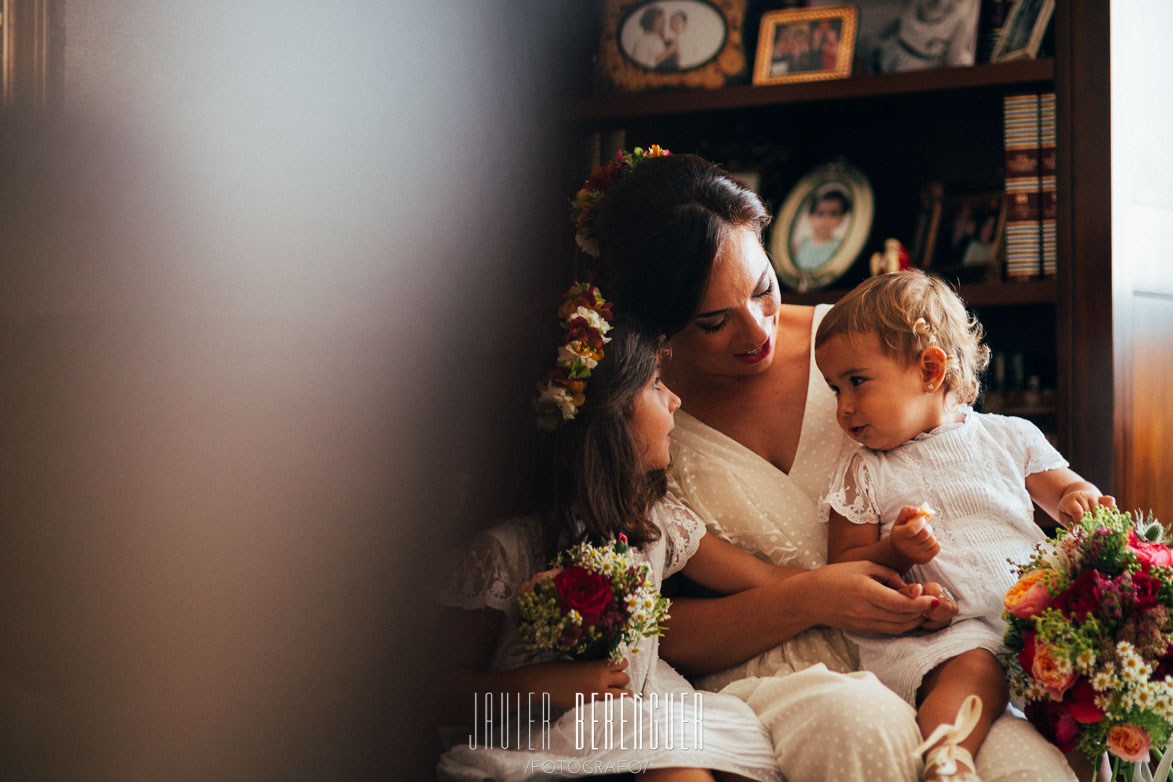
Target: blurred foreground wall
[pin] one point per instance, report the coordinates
(260, 286)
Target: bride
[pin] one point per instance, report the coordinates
(679, 247)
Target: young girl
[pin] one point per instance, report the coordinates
(608, 453)
(903, 358)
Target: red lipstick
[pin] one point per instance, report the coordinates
(757, 355)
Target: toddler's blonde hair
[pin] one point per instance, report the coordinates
(891, 305)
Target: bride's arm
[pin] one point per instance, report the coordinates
(706, 635)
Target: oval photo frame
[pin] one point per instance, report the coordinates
(697, 27)
(822, 226)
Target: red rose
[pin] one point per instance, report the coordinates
(1026, 658)
(1082, 702)
(1164, 665)
(1082, 598)
(1146, 588)
(584, 591)
(1149, 554)
(1055, 722)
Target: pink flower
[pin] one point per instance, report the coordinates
(1052, 670)
(1029, 597)
(1129, 743)
(1149, 554)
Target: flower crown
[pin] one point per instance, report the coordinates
(584, 207)
(585, 317)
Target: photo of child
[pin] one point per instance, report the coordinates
(819, 232)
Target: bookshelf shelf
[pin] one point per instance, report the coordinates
(1025, 73)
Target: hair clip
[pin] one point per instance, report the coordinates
(921, 329)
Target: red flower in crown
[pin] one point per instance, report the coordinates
(584, 206)
(585, 317)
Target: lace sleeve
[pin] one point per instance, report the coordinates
(850, 492)
(489, 572)
(682, 531)
(1038, 454)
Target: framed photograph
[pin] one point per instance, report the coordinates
(914, 35)
(822, 226)
(808, 44)
(653, 44)
(965, 235)
(1023, 30)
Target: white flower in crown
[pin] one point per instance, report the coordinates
(557, 395)
(594, 320)
(569, 353)
(588, 246)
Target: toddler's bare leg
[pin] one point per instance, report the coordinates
(976, 672)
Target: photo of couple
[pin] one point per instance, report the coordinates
(672, 36)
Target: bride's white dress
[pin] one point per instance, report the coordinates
(715, 731)
(827, 720)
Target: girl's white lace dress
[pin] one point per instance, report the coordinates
(710, 731)
(827, 719)
(973, 474)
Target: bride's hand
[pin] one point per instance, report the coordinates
(862, 597)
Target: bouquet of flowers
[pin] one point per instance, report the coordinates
(596, 603)
(1090, 640)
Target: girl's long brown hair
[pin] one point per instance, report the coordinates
(591, 470)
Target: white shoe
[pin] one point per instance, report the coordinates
(948, 760)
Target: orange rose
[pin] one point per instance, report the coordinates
(1029, 597)
(1129, 743)
(1051, 670)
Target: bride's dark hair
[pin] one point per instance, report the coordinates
(659, 229)
(592, 469)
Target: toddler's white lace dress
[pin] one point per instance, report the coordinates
(973, 474)
(730, 737)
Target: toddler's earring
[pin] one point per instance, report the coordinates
(930, 386)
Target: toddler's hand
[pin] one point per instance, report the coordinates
(594, 679)
(912, 537)
(1073, 504)
(943, 610)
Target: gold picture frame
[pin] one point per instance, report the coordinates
(806, 44)
(658, 44)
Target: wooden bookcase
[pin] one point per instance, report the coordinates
(905, 129)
